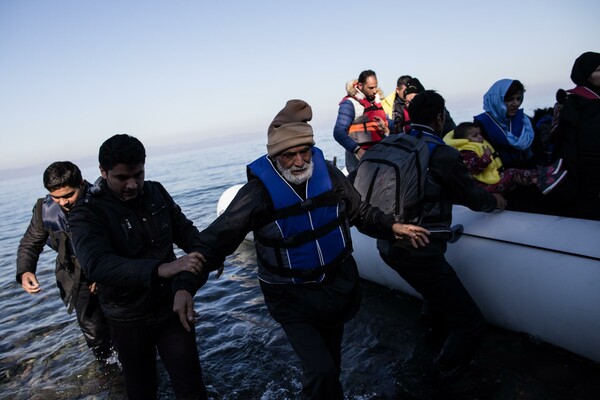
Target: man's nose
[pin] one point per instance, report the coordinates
(131, 183)
(298, 160)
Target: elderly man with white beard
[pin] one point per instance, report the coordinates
(300, 208)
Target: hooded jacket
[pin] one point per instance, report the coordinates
(577, 138)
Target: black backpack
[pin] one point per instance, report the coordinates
(391, 175)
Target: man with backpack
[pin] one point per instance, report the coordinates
(445, 181)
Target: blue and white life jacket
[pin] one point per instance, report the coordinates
(307, 237)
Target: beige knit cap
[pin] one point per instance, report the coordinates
(290, 128)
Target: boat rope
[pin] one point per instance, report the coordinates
(533, 246)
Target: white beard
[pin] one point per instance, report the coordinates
(293, 178)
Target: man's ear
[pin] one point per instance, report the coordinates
(440, 119)
(102, 172)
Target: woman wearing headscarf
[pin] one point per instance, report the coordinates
(577, 137)
(506, 126)
(509, 130)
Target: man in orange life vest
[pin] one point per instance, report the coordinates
(361, 120)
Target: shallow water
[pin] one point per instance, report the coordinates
(244, 353)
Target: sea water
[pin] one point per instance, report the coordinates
(244, 353)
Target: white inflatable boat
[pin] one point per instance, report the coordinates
(530, 273)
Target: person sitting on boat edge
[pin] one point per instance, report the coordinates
(300, 208)
(576, 137)
(445, 300)
(124, 232)
(361, 120)
(505, 126)
(486, 167)
(49, 226)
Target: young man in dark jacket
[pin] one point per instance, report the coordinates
(300, 209)
(48, 225)
(123, 234)
(426, 269)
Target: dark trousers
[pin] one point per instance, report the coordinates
(92, 323)
(435, 279)
(312, 316)
(320, 352)
(137, 348)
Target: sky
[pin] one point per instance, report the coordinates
(196, 73)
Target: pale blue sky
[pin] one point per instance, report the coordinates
(73, 73)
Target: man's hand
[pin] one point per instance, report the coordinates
(183, 305)
(500, 201)
(382, 125)
(416, 234)
(192, 262)
(360, 153)
(30, 283)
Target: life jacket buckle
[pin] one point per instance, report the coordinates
(307, 205)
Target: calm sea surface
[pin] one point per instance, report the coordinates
(244, 353)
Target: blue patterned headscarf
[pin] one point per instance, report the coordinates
(493, 104)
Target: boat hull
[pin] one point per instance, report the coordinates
(529, 273)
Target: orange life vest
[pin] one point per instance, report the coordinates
(364, 129)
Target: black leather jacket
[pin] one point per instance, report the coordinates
(120, 245)
(48, 226)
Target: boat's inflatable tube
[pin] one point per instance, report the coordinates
(531, 273)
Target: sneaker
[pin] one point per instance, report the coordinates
(549, 181)
(555, 167)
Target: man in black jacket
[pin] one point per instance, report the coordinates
(48, 225)
(300, 209)
(426, 269)
(123, 234)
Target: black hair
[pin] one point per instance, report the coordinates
(462, 129)
(425, 107)
(413, 85)
(121, 149)
(61, 174)
(362, 78)
(402, 80)
(514, 88)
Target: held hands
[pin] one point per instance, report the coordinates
(192, 262)
(500, 201)
(382, 125)
(30, 283)
(93, 288)
(416, 234)
(487, 151)
(183, 305)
